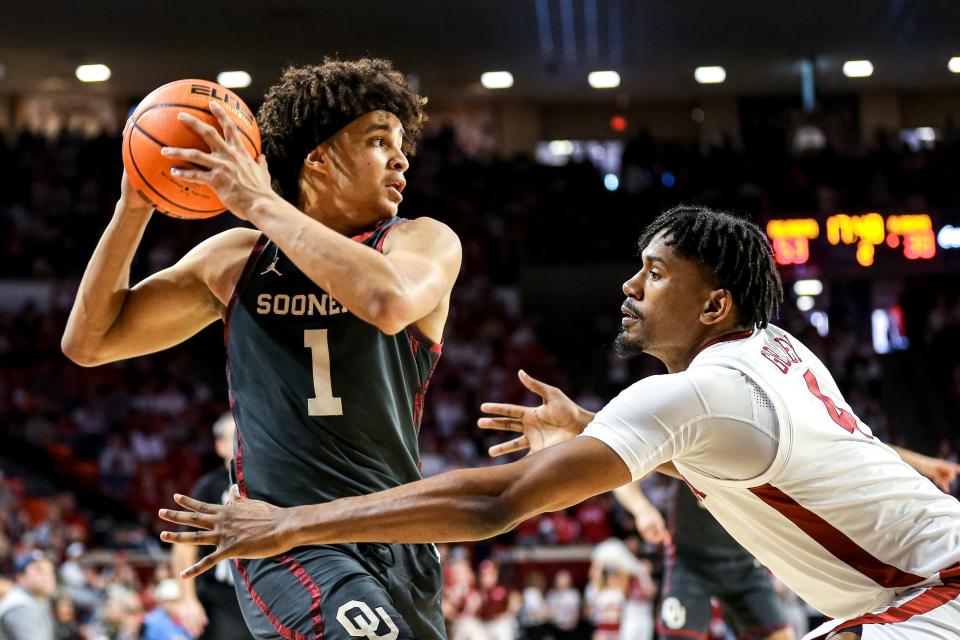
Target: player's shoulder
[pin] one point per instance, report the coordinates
(697, 392)
(427, 237)
(238, 238)
(424, 229)
(225, 247)
(664, 390)
(219, 260)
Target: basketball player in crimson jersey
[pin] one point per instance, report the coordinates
(334, 310)
(747, 416)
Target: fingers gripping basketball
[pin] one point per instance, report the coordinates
(154, 125)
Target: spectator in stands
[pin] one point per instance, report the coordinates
(534, 614)
(67, 627)
(638, 620)
(497, 604)
(120, 617)
(25, 612)
(209, 608)
(163, 622)
(564, 604)
(461, 601)
(607, 606)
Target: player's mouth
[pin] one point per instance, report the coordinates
(395, 188)
(630, 317)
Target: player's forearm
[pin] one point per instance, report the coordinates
(104, 286)
(360, 278)
(912, 458)
(632, 498)
(181, 557)
(471, 504)
(452, 507)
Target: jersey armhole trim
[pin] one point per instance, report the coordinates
(252, 259)
(386, 232)
(418, 335)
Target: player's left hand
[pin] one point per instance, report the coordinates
(941, 472)
(557, 419)
(242, 528)
(237, 179)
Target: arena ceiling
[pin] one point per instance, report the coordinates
(548, 45)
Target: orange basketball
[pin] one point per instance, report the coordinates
(154, 125)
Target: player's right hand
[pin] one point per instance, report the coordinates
(651, 526)
(132, 202)
(242, 528)
(557, 419)
(192, 616)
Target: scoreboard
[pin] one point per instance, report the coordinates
(912, 236)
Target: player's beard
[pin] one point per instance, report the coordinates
(627, 346)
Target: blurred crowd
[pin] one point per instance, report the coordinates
(88, 455)
(55, 194)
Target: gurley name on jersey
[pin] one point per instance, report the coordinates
(301, 304)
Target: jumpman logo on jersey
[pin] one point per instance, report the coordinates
(273, 265)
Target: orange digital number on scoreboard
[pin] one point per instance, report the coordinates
(869, 230)
(914, 232)
(791, 239)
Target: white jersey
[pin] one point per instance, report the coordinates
(759, 430)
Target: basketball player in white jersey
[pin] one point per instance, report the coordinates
(747, 416)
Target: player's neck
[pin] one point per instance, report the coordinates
(326, 210)
(679, 359)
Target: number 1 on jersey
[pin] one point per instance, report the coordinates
(323, 403)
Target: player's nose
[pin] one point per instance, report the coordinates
(400, 162)
(633, 288)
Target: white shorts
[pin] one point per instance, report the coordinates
(929, 613)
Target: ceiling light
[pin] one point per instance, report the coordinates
(710, 75)
(949, 237)
(954, 64)
(93, 73)
(496, 79)
(811, 287)
(858, 68)
(560, 147)
(604, 79)
(234, 79)
(805, 303)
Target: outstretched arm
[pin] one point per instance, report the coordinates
(941, 472)
(557, 419)
(471, 504)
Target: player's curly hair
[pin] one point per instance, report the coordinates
(311, 103)
(734, 250)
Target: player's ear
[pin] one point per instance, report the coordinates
(718, 306)
(318, 160)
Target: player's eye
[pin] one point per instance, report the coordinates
(654, 275)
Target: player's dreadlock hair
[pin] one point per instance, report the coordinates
(733, 249)
(311, 103)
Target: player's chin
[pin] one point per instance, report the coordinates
(628, 342)
(387, 208)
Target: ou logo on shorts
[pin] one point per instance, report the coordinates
(673, 614)
(366, 624)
